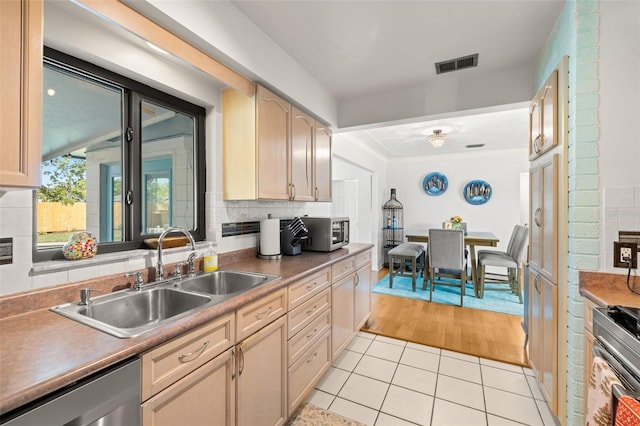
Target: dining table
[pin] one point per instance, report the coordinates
(471, 239)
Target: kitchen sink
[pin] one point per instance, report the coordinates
(129, 313)
(224, 282)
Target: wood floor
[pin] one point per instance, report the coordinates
(471, 331)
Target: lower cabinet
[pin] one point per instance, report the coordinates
(588, 344)
(261, 377)
(179, 376)
(362, 296)
(543, 335)
(342, 314)
(191, 397)
(350, 300)
(255, 366)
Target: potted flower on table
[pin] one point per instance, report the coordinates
(455, 222)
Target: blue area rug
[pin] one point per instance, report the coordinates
(497, 301)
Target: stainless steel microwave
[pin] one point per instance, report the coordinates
(326, 233)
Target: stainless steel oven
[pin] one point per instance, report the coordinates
(616, 331)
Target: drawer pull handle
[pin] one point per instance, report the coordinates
(195, 354)
(315, 331)
(312, 310)
(309, 287)
(261, 315)
(310, 360)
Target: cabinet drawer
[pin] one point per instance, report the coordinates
(308, 311)
(342, 269)
(307, 287)
(256, 315)
(309, 335)
(171, 361)
(305, 373)
(363, 258)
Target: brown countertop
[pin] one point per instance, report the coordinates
(41, 351)
(609, 289)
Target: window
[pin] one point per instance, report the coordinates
(120, 159)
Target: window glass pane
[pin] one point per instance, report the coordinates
(81, 158)
(168, 169)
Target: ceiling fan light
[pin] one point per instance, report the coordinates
(437, 138)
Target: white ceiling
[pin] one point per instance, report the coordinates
(358, 47)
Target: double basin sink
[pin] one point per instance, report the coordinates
(129, 313)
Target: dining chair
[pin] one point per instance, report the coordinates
(446, 259)
(509, 259)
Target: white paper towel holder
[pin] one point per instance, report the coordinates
(269, 256)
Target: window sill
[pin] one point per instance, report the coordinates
(107, 258)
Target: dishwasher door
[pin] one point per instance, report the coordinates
(110, 397)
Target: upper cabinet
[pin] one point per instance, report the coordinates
(543, 118)
(322, 153)
(21, 82)
(272, 150)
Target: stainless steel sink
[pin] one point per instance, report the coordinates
(130, 313)
(224, 282)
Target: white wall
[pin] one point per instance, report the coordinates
(619, 142)
(501, 169)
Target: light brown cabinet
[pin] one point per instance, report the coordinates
(322, 162)
(21, 104)
(190, 398)
(309, 328)
(543, 118)
(543, 243)
(273, 150)
(350, 299)
(588, 344)
(177, 376)
(302, 167)
(262, 376)
(543, 335)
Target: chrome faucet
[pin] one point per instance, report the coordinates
(159, 268)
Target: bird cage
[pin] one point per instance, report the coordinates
(393, 225)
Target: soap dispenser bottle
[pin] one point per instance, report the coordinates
(210, 259)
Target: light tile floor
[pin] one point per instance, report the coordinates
(388, 382)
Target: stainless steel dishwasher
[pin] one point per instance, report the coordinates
(110, 397)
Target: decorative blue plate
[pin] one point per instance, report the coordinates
(435, 183)
(477, 192)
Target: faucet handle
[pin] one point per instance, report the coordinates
(191, 261)
(137, 285)
(177, 272)
(85, 296)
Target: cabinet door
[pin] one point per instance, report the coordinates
(549, 373)
(543, 241)
(204, 397)
(362, 295)
(543, 118)
(342, 314)
(535, 338)
(21, 101)
(322, 163)
(549, 265)
(301, 164)
(262, 377)
(549, 113)
(273, 120)
(534, 126)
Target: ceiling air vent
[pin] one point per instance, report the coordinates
(457, 64)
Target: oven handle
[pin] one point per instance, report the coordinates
(616, 360)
